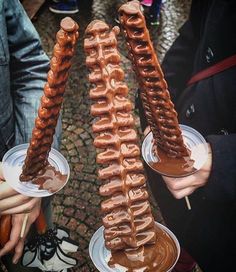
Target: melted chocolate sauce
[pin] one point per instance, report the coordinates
(50, 179)
(171, 166)
(158, 257)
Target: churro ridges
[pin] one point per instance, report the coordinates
(158, 107)
(50, 104)
(126, 211)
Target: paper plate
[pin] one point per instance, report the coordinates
(192, 139)
(100, 255)
(13, 161)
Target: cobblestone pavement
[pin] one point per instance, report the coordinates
(77, 206)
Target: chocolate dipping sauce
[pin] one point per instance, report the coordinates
(49, 179)
(169, 166)
(158, 257)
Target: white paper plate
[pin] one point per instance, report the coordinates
(13, 161)
(100, 255)
(192, 139)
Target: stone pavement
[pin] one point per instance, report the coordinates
(77, 206)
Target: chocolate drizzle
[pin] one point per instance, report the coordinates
(126, 210)
(172, 167)
(158, 257)
(159, 109)
(50, 179)
(51, 101)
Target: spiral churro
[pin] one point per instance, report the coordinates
(159, 109)
(130, 232)
(51, 101)
(127, 216)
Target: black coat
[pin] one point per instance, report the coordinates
(208, 231)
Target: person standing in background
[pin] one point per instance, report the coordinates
(64, 6)
(154, 12)
(23, 72)
(200, 70)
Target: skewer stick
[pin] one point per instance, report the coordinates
(187, 202)
(24, 225)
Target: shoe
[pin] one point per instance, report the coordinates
(117, 20)
(64, 7)
(154, 21)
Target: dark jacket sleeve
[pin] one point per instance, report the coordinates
(29, 66)
(221, 185)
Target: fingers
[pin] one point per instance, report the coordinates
(6, 190)
(179, 194)
(25, 205)
(16, 242)
(31, 218)
(181, 187)
(15, 201)
(20, 245)
(18, 251)
(182, 183)
(17, 221)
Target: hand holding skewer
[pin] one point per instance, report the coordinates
(20, 212)
(185, 186)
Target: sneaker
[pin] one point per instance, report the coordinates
(117, 20)
(64, 7)
(154, 21)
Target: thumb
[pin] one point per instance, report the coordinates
(18, 251)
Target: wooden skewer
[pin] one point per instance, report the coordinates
(188, 203)
(24, 225)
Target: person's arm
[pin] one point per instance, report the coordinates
(221, 185)
(185, 186)
(11, 202)
(16, 240)
(29, 66)
(28, 70)
(217, 177)
(18, 206)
